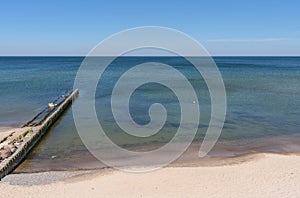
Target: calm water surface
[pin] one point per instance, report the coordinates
(263, 96)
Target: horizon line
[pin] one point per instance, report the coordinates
(151, 56)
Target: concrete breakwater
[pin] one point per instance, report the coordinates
(15, 147)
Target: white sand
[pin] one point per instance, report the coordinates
(268, 175)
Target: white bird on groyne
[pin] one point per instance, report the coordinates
(51, 105)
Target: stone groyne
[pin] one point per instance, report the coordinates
(15, 147)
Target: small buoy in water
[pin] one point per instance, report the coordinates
(194, 102)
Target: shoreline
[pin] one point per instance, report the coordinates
(229, 152)
(263, 175)
(225, 152)
(62, 175)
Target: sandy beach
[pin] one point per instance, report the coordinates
(150, 99)
(265, 175)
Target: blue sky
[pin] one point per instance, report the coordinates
(223, 27)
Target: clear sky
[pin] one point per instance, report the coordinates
(224, 27)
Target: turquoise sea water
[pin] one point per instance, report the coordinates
(263, 102)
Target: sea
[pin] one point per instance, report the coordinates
(262, 95)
